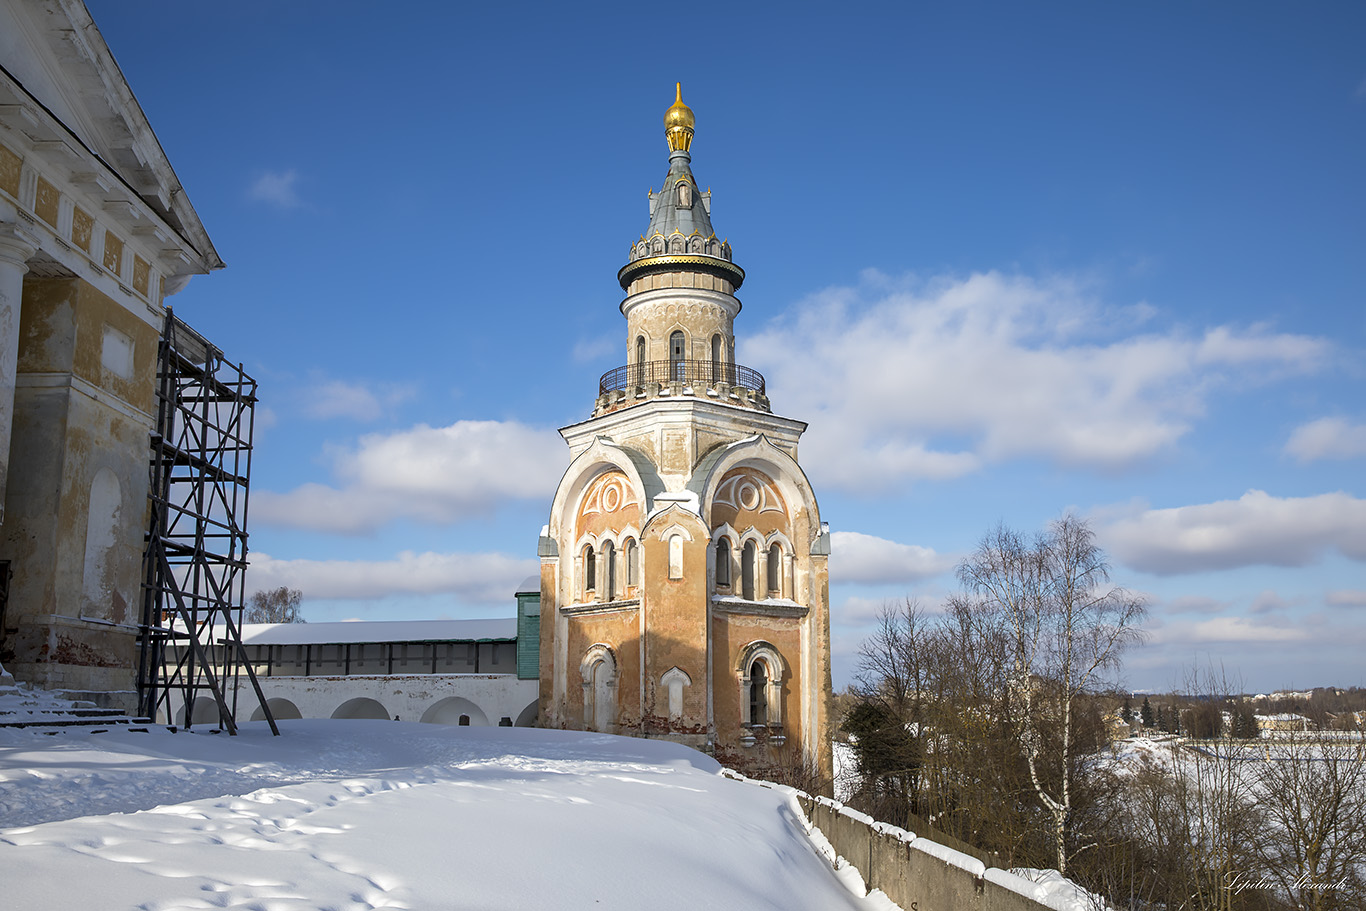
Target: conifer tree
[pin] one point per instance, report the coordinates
(1145, 713)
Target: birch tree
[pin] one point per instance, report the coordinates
(1067, 628)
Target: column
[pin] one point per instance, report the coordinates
(16, 246)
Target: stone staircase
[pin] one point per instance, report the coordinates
(44, 712)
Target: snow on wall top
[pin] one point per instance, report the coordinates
(493, 630)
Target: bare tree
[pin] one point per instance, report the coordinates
(1067, 627)
(1314, 794)
(279, 605)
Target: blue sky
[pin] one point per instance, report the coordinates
(1007, 260)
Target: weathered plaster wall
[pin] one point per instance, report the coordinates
(84, 393)
(675, 606)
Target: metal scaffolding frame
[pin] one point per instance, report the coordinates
(195, 560)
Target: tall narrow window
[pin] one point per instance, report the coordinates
(640, 349)
(716, 358)
(677, 356)
(747, 571)
(723, 563)
(590, 570)
(628, 554)
(758, 693)
(775, 570)
(609, 572)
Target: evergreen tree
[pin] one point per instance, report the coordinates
(1145, 713)
(1161, 722)
(1127, 713)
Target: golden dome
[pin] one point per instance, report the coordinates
(678, 122)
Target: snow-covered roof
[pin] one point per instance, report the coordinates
(494, 630)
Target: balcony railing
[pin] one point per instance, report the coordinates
(702, 373)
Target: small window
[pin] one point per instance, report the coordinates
(775, 570)
(758, 693)
(629, 557)
(747, 571)
(723, 563)
(640, 349)
(676, 557)
(609, 572)
(590, 570)
(677, 356)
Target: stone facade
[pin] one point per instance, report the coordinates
(95, 231)
(684, 582)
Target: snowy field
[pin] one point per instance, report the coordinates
(351, 815)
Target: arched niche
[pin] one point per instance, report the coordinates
(362, 707)
(598, 672)
(280, 710)
(450, 710)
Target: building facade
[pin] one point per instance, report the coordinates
(684, 583)
(95, 232)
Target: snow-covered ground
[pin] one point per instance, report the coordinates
(350, 815)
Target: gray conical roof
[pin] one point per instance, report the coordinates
(675, 211)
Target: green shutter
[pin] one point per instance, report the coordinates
(528, 635)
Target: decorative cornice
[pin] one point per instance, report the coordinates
(600, 607)
(769, 608)
(676, 262)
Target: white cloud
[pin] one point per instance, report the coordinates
(339, 398)
(476, 578)
(1346, 597)
(276, 188)
(433, 474)
(856, 557)
(934, 380)
(1327, 438)
(1256, 529)
(1228, 629)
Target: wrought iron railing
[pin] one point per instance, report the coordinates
(704, 373)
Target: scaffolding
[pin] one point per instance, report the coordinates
(191, 658)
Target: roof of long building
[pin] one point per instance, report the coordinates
(494, 630)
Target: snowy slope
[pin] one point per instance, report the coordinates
(353, 815)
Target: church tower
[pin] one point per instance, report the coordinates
(684, 585)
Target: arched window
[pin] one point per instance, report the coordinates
(758, 692)
(590, 570)
(640, 349)
(676, 557)
(677, 356)
(775, 570)
(747, 571)
(609, 571)
(716, 358)
(761, 671)
(630, 555)
(723, 563)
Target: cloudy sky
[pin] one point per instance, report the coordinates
(1007, 260)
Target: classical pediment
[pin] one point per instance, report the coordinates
(63, 97)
